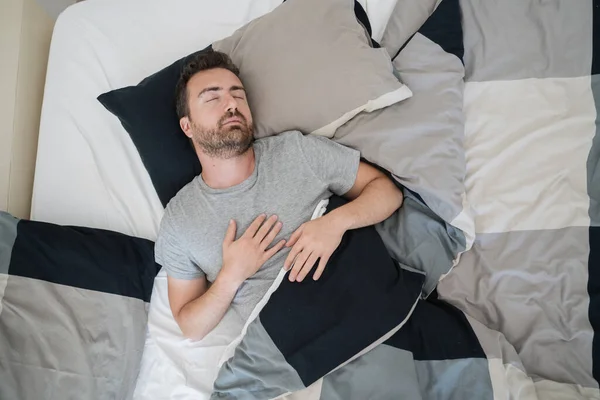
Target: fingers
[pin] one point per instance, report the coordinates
(308, 265)
(273, 250)
(298, 264)
(230, 233)
(265, 228)
(295, 236)
(291, 256)
(253, 228)
(320, 268)
(271, 236)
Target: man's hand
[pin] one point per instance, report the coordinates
(198, 307)
(243, 257)
(373, 198)
(313, 240)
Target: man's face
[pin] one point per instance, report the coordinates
(219, 122)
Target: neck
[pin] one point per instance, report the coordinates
(223, 173)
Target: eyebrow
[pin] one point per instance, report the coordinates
(218, 88)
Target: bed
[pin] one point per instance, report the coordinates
(527, 289)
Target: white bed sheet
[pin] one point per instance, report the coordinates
(89, 173)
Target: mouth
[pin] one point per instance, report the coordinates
(232, 121)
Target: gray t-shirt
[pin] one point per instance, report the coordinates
(292, 174)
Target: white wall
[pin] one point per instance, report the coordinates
(11, 12)
(25, 33)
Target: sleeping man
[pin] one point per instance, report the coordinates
(226, 235)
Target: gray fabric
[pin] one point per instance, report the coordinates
(421, 142)
(297, 65)
(467, 378)
(519, 39)
(421, 139)
(257, 370)
(532, 287)
(383, 373)
(529, 286)
(293, 173)
(406, 19)
(593, 162)
(416, 237)
(55, 344)
(8, 235)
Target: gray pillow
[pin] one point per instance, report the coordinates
(406, 19)
(309, 65)
(420, 141)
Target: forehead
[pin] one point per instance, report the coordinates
(216, 77)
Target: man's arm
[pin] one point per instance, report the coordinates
(197, 309)
(373, 198)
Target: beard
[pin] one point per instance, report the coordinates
(224, 141)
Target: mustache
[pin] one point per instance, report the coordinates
(232, 114)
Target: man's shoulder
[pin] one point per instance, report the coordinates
(283, 137)
(177, 207)
(283, 143)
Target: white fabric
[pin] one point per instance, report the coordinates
(550, 390)
(379, 12)
(385, 100)
(3, 283)
(509, 382)
(313, 392)
(88, 171)
(527, 143)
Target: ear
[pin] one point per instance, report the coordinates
(185, 125)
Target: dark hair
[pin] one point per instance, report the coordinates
(201, 62)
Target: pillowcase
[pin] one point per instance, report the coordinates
(147, 112)
(306, 330)
(406, 19)
(297, 63)
(304, 70)
(420, 141)
(438, 20)
(73, 310)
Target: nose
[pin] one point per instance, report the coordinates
(230, 103)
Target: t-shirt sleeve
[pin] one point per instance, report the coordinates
(171, 254)
(334, 164)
